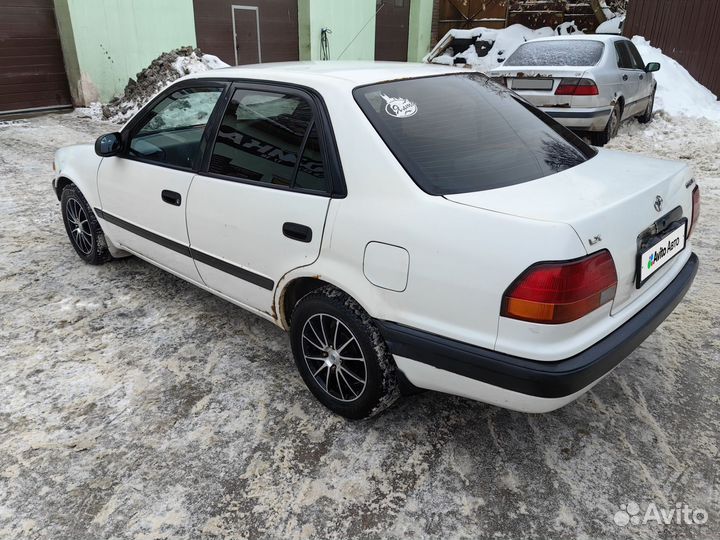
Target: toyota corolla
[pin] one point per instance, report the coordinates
(411, 226)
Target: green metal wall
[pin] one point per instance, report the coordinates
(348, 19)
(353, 28)
(105, 42)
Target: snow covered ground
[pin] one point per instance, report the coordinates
(134, 405)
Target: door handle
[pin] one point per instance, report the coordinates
(625, 77)
(171, 197)
(295, 231)
(642, 77)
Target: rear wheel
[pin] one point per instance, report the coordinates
(341, 356)
(601, 138)
(82, 227)
(646, 117)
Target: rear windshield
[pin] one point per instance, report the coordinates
(568, 52)
(463, 133)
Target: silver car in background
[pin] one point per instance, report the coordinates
(588, 83)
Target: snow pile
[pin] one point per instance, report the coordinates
(611, 26)
(161, 72)
(487, 48)
(94, 111)
(612, 8)
(678, 93)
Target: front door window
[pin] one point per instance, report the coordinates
(171, 132)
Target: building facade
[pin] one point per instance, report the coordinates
(56, 53)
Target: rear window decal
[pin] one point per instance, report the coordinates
(399, 107)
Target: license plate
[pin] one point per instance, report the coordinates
(657, 255)
(532, 84)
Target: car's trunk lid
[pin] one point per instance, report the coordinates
(611, 197)
(539, 84)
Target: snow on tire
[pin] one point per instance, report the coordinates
(341, 355)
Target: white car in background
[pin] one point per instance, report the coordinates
(589, 83)
(407, 224)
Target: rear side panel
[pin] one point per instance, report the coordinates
(609, 201)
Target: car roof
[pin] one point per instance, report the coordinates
(347, 73)
(604, 38)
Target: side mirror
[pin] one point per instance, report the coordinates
(108, 145)
(652, 66)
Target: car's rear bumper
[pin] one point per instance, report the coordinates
(593, 119)
(438, 363)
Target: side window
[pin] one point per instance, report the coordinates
(171, 132)
(269, 137)
(311, 172)
(624, 59)
(637, 59)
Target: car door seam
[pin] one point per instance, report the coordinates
(187, 229)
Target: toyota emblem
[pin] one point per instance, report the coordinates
(658, 203)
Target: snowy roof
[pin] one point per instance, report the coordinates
(354, 72)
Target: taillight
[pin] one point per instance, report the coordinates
(560, 292)
(695, 209)
(576, 87)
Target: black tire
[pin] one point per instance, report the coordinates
(646, 117)
(82, 227)
(325, 372)
(601, 138)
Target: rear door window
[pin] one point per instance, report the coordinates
(270, 138)
(462, 133)
(566, 52)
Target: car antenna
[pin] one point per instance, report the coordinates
(382, 5)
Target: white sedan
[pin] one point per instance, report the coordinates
(411, 226)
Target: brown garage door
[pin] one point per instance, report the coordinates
(391, 30)
(230, 29)
(32, 73)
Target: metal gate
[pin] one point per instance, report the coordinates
(471, 14)
(688, 31)
(32, 71)
(391, 30)
(248, 31)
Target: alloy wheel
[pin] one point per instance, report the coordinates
(79, 226)
(334, 357)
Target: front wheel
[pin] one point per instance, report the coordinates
(341, 356)
(82, 227)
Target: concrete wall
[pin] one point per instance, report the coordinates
(346, 19)
(105, 42)
(420, 34)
